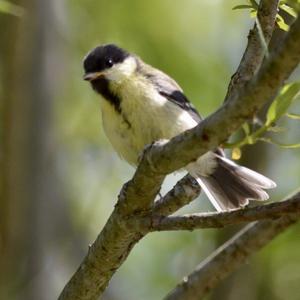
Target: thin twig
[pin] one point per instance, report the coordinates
(217, 220)
(258, 40)
(229, 257)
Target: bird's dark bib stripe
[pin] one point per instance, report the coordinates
(178, 98)
(101, 86)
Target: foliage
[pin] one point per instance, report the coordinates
(288, 94)
(278, 109)
(289, 7)
(10, 8)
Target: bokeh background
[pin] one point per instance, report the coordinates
(60, 177)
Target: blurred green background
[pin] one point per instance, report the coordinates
(60, 177)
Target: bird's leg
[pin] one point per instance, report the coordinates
(148, 147)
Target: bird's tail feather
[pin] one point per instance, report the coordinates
(231, 186)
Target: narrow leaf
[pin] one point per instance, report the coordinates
(288, 146)
(282, 102)
(281, 23)
(10, 8)
(293, 116)
(253, 13)
(289, 10)
(242, 7)
(276, 129)
(253, 4)
(246, 128)
(285, 146)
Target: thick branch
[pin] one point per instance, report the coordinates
(217, 220)
(229, 257)
(255, 50)
(104, 257)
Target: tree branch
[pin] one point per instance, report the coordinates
(117, 238)
(167, 157)
(255, 50)
(218, 220)
(229, 257)
(185, 191)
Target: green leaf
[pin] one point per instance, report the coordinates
(289, 10)
(253, 4)
(281, 23)
(288, 146)
(10, 8)
(282, 102)
(251, 139)
(245, 6)
(236, 144)
(229, 145)
(276, 129)
(293, 116)
(285, 146)
(246, 128)
(242, 7)
(253, 13)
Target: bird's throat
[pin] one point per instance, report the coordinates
(102, 87)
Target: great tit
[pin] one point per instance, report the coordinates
(141, 104)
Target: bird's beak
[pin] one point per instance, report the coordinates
(92, 76)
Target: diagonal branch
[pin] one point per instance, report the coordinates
(229, 257)
(117, 238)
(217, 220)
(255, 50)
(215, 129)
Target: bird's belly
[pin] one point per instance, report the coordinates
(130, 130)
(142, 119)
(119, 132)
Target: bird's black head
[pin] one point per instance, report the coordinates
(102, 58)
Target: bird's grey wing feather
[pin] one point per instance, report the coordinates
(169, 88)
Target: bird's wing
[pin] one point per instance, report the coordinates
(169, 88)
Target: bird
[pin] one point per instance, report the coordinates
(141, 104)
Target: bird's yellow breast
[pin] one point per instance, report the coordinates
(145, 116)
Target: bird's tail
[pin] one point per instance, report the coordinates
(231, 186)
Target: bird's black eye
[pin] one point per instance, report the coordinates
(109, 63)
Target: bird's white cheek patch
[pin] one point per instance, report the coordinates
(121, 71)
